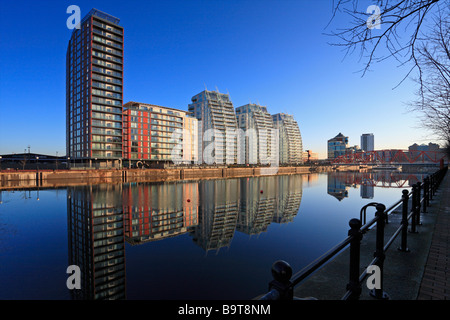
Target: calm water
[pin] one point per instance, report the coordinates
(211, 239)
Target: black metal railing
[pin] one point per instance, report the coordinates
(283, 283)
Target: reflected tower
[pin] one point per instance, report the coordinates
(157, 211)
(218, 212)
(290, 192)
(257, 204)
(96, 241)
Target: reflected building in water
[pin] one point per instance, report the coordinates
(340, 182)
(257, 205)
(367, 191)
(159, 210)
(218, 208)
(289, 197)
(336, 186)
(101, 218)
(96, 240)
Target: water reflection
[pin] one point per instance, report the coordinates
(96, 240)
(340, 182)
(101, 218)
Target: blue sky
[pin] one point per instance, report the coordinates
(272, 52)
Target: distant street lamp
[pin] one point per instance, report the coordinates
(68, 162)
(0, 163)
(37, 163)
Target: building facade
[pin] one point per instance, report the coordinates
(308, 156)
(258, 139)
(218, 127)
(367, 142)
(290, 140)
(94, 87)
(337, 146)
(156, 133)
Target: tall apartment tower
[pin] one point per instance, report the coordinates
(290, 139)
(94, 86)
(367, 142)
(258, 139)
(218, 127)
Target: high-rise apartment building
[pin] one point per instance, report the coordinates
(94, 87)
(337, 146)
(290, 139)
(219, 127)
(156, 133)
(258, 139)
(367, 142)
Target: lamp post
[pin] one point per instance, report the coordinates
(68, 162)
(37, 163)
(0, 163)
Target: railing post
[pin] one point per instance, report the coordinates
(431, 187)
(354, 286)
(433, 184)
(379, 254)
(405, 199)
(425, 195)
(282, 273)
(419, 205)
(413, 208)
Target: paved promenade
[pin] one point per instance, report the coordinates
(435, 284)
(421, 274)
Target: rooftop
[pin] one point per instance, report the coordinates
(101, 14)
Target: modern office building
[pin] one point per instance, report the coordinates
(367, 142)
(337, 146)
(290, 139)
(94, 87)
(155, 133)
(258, 139)
(218, 127)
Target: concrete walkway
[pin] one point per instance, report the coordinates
(421, 273)
(435, 284)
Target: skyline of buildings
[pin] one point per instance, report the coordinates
(102, 129)
(93, 129)
(257, 82)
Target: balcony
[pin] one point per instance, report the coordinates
(107, 50)
(107, 35)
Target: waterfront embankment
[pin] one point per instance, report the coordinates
(421, 273)
(61, 178)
